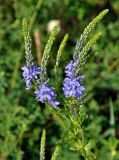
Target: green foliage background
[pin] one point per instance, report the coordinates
(21, 117)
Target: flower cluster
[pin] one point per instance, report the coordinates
(30, 74)
(72, 85)
(46, 94)
(70, 68)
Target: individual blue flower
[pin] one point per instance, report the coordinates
(30, 73)
(46, 94)
(70, 68)
(73, 87)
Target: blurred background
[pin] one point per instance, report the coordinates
(21, 117)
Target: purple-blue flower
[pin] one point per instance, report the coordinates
(72, 84)
(46, 94)
(73, 87)
(70, 68)
(30, 73)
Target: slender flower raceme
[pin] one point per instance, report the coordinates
(72, 85)
(34, 75)
(30, 71)
(44, 93)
